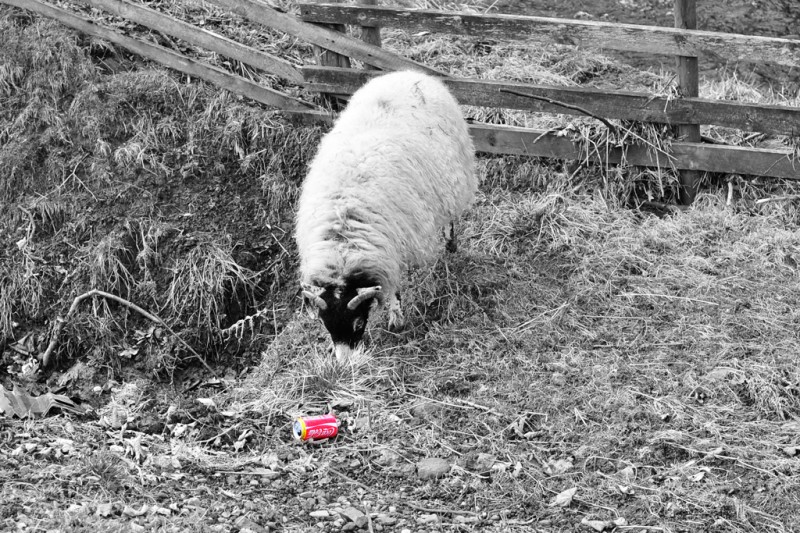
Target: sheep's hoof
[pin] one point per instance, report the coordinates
(396, 319)
(396, 323)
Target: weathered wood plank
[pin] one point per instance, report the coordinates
(166, 57)
(627, 37)
(611, 104)
(494, 139)
(198, 36)
(323, 37)
(682, 155)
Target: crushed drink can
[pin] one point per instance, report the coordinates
(315, 427)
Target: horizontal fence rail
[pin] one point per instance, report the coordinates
(493, 139)
(166, 57)
(198, 36)
(610, 104)
(689, 156)
(625, 37)
(323, 37)
(511, 140)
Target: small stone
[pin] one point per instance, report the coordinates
(136, 528)
(355, 516)
(322, 513)
(426, 410)
(432, 468)
(387, 457)
(385, 519)
(349, 526)
(427, 518)
(484, 462)
(246, 525)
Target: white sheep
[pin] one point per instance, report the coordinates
(397, 167)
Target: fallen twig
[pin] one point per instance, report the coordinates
(48, 353)
(608, 124)
(778, 199)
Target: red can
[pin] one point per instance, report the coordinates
(315, 427)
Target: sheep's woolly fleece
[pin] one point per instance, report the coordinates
(397, 167)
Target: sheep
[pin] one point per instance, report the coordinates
(397, 167)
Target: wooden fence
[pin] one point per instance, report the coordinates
(318, 24)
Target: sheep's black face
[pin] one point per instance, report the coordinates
(346, 326)
(345, 310)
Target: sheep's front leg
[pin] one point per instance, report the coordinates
(396, 319)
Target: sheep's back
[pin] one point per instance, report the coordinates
(396, 168)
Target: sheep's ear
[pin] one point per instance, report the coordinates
(312, 294)
(364, 294)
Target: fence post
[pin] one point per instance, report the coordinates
(689, 85)
(326, 58)
(370, 34)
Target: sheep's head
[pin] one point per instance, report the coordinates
(344, 309)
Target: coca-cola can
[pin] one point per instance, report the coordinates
(315, 427)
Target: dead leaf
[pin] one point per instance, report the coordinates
(129, 353)
(719, 374)
(791, 451)
(208, 402)
(21, 404)
(104, 509)
(557, 467)
(242, 440)
(628, 473)
(133, 512)
(563, 499)
(624, 489)
(698, 476)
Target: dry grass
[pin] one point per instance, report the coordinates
(205, 283)
(653, 356)
(574, 342)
